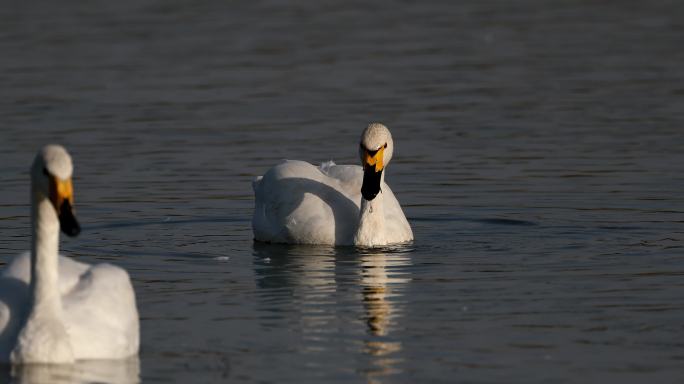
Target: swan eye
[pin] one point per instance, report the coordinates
(385, 145)
(45, 172)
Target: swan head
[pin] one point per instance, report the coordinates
(375, 149)
(51, 178)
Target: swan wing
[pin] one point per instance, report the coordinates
(15, 295)
(296, 202)
(348, 178)
(14, 301)
(100, 314)
(98, 306)
(70, 271)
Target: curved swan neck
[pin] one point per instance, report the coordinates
(44, 254)
(371, 231)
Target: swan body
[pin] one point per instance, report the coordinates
(54, 309)
(299, 203)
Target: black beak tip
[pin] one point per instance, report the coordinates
(368, 195)
(72, 230)
(67, 220)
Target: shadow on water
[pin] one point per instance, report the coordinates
(166, 221)
(317, 278)
(491, 220)
(93, 371)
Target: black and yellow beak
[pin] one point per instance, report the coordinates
(373, 159)
(372, 172)
(62, 197)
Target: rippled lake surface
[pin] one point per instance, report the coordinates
(539, 159)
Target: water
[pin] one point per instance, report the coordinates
(539, 161)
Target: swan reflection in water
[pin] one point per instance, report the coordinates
(298, 279)
(384, 276)
(324, 286)
(89, 371)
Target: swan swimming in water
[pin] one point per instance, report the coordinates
(296, 202)
(54, 309)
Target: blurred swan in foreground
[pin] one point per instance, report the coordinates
(54, 309)
(299, 203)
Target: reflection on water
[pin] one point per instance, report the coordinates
(93, 371)
(306, 275)
(374, 282)
(380, 286)
(315, 282)
(383, 288)
(283, 265)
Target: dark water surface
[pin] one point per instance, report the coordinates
(539, 159)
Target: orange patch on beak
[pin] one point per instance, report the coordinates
(375, 160)
(61, 190)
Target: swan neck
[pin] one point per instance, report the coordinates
(371, 231)
(44, 254)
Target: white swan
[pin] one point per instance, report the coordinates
(296, 202)
(54, 309)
